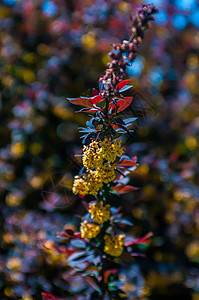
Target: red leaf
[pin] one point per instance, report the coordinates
(114, 126)
(77, 234)
(87, 102)
(62, 249)
(111, 107)
(83, 101)
(96, 99)
(127, 162)
(95, 92)
(108, 272)
(69, 231)
(124, 103)
(69, 234)
(143, 240)
(123, 189)
(69, 251)
(121, 84)
(48, 296)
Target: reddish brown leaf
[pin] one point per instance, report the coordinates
(123, 103)
(127, 162)
(69, 251)
(92, 283)
(114, 126)
(123, 189)
(69, 234)
(108, 272)
(69, 231)
(48, 296)
(111, 107)
(121, 84)
(96, 99)
(87, 102)
(77, 234)
(95, 92)
(143, 240)
(83, 101)
(62, 249)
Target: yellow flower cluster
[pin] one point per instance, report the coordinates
(94, 182)
(114, 245)
(89, 230)
(92, 156)
(117, 148)
(89, 183)
(97, 159)
(99, 213)
(106, 172)
(111, 150)
(79, 186)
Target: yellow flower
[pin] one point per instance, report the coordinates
(94, 182)
(92, 157)
(94, 144)
(97, 161)
(80, 186)
(110, 151)
(106, 172)
(90, 183)
(107, 150)
(114, 245)
(99, 213)
(117, 148)
(89, 230)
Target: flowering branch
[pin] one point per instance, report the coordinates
(101, 241)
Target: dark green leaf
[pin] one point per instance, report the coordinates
(125, 88)
(115, 285)
(129, 120)
(123, 221)
(90, 125)
(119, 121)
(87, 130)
(82, 170)
(77, 255)
(77, 264)
(92, 282)
(78, 243)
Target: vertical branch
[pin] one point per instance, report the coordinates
(101, 155)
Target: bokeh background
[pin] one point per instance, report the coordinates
(50, 50)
